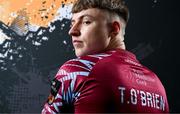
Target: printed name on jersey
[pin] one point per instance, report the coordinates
(55, 85)
(143, 98)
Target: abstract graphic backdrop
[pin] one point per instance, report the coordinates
(34, 43)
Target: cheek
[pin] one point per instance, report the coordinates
(89, 35)
(92, 38)
(95, 36)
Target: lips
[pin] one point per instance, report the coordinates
(77, 43)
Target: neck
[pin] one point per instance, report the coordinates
(116, 43)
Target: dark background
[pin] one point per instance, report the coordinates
(152, 34)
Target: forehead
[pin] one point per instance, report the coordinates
(91, 13)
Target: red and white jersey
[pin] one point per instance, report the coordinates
(113, 81)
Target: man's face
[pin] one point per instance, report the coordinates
(90, 31)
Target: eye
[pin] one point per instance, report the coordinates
(70, 26)
(86, 22)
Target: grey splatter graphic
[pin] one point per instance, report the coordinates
(28, 62)
(143, 50)
(154, 3)
(29, 93)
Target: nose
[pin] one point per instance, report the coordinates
(75, 30)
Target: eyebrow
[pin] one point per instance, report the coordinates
(83, 16)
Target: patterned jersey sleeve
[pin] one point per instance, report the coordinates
(66, 86)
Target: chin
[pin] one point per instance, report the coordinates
(81, 53)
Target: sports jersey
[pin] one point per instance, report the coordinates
(113, 81)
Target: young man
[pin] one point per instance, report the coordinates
(105, 77)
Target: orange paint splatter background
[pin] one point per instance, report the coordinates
(39, 12)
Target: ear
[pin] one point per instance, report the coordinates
(115, 28)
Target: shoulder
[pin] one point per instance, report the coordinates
(110, 63)
(81, 66)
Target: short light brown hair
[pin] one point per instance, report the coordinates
(114, 6)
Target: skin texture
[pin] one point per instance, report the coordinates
(93, 31)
